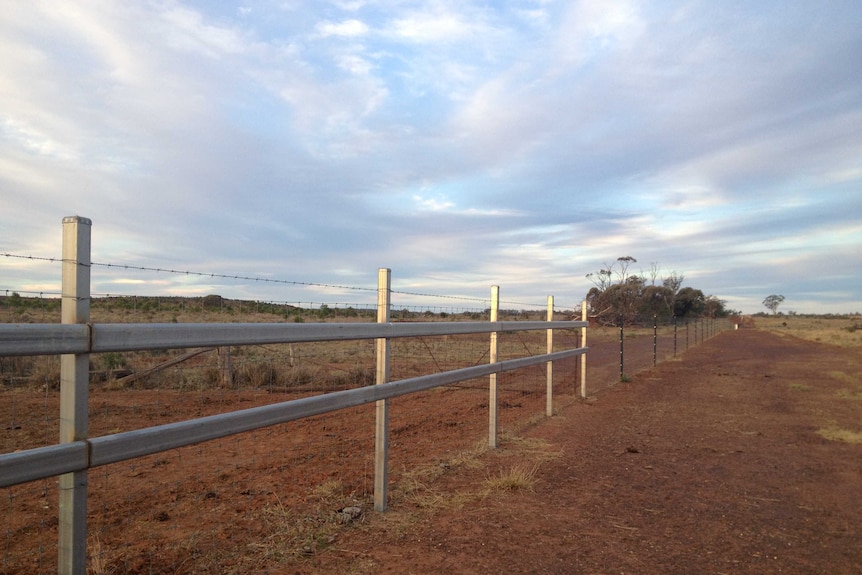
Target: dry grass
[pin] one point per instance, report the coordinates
(97, 564)
(835, 433)
(833, 330)
(416, 486)
(799, 386)
(851, 393)
(845, 377)
(420, 493)
(519, 477)
(294, 534)
(853, 380)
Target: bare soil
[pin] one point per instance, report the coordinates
(741, 455)
(715, 463)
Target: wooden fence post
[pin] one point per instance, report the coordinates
(549, 398)
(381, 432)
(583, 356)
(74, 391)
(492, 358)
(225, 366)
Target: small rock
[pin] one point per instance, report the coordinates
(348, 514)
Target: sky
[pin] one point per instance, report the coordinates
(462, 144)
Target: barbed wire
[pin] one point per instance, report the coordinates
(8, 255)
(269, 280)
(39, 293)
(231, 276)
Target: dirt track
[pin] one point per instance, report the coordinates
(711, 463)
(714, 463)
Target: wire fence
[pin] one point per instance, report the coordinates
(276, 495)
(273, 496)
(406, 300)
(259, 498)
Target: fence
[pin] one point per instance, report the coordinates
(676, 334)
(77, 338)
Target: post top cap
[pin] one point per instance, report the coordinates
(79, 219)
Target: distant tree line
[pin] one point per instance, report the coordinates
(637, 298)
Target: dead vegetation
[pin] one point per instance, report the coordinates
(843, 331)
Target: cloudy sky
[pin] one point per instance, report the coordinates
(460, 143)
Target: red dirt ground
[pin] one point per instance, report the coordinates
(710, 463)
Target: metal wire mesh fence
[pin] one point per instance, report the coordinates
(30, 527)
(249, 501)
(185, 510)
(232, 505)
(263, 497)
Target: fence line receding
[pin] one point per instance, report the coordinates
(77, 338)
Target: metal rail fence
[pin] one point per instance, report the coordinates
(76, 338)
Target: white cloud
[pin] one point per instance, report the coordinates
(431, 27)
(842, 175)
(355, 64)
(593, 26)
(188, 30)
(350, 5)
(33, 140)
(591, 130)
(348, 28)
(432, 204)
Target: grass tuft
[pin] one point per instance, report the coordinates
(520, 477)
(834, 433)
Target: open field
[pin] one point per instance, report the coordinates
(272, 501)
(256, 499)
(743, 457)
(845, 331)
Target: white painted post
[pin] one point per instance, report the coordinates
(492, 354)
(583, 356)
(381, 436)
(74, 390)
(549, 397)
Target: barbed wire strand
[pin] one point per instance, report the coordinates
(269, 280)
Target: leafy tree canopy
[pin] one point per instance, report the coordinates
(772, 302)
(636, 298)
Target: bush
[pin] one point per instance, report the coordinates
(257, 374)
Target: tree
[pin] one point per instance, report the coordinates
(639, 298)
(714, 307)
(673, 282)
(624, 297)
(654, 270)
(689, 302)
(601, 278)
(772, 302)
(656, 301)
(625, 262)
